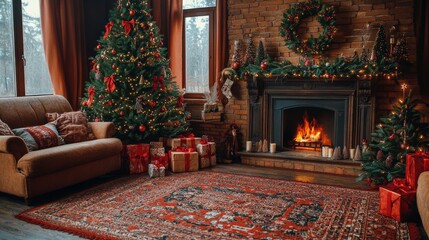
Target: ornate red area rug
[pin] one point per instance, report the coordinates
(213, 205)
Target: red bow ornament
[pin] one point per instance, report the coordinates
(108, 28)
(158, 81)
(91, 92)
(110, 83)
(127, 25)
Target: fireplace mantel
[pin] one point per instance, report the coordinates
(356, 93)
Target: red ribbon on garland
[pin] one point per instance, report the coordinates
(110, 83)
(91, 93)
(108, 28)
(158, 81)
(127, 25)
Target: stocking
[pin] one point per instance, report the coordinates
(226, 88)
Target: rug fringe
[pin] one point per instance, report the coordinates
(76, 232)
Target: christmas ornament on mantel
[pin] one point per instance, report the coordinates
(313, 64)
(398, 134)
(130, 83)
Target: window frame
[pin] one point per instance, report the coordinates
(197, 12)
(19, 61)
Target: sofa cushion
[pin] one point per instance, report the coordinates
(39, 137)
(72, 126)
(5, 129)
(55, 159)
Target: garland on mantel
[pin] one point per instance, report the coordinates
(340, 67)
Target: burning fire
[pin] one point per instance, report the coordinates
(311, 132)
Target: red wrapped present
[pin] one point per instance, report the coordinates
(183, 160)
(416, 164)
(159, 161)
(398, 202)
(138, 157)
(207, 153)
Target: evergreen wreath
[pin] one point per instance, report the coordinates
(292, 19)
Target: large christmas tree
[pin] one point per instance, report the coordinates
(130, 82)
(399, 133)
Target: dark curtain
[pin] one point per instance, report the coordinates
(422, 36)
(64, 45)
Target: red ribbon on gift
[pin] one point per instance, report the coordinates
(187, 161)
(110, 83)
(397, 202)
(204, 142)
(184, 149)
(127, 25)
(158, 81)
(91, 93)
(400, 182)
(108, 28)
(184, 142)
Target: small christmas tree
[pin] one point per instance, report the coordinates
(130, 82)
(380, 47)
(398, 134)
(236, 56)
(400, 52)
(250, 52)
(260, 54)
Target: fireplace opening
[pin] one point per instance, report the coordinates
(308, 128)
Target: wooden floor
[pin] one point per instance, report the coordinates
(11, 228)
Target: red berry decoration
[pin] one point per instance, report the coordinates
(142, 49)
(85, 103)
(236, 65)
(142, 128)
(100, 96)
(122, 113)
(157, 55)
(189, 117)
(391, 137)
(96, 119)
(99, 46)
(108, 103)
(132, 12)
(113, 51)
(264, 65)
(163, 109)
(152, 103)
(114, 66)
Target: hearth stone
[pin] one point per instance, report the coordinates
(301, 160)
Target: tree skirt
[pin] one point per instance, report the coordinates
(212, 205)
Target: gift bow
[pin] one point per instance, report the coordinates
(108, 28)
(91, 93)
(204, 142)
(127, 25)
(110, 83)
(183, 149)
(400, 182)
(187, 135)
(158, 80)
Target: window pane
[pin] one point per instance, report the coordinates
(37, 80)
(7, 53)
(197, 54)
(188, 4)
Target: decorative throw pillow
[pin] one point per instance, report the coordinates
(5, 129)
(39, 137)
(72, 126)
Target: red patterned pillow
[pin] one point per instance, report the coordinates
(39, 137)
(5, 129)
(72, 126)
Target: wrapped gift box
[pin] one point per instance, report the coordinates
(157, 151)
(156, 145)
(398, 202)
(156, 171)
(138, 157)
(173, 143)
(183, 161)
(207, 154)
(415, 165)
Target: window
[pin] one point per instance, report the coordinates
(198, 20)
(23, 69)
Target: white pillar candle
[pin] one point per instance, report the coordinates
(248, 146)
(272, 148)
(352, 153)
(330, 152)
(324, 151)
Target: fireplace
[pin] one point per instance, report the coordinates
(341, 110)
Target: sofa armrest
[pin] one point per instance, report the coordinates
(102, 129)
(13, 145)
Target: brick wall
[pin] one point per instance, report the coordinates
(262, 20)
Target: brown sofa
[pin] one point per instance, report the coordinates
(423, 199)
(29, 174)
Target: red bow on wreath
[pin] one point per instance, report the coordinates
(91, 93)
(127, 25)
(158, 81)
(108, 28)
(110, 83)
